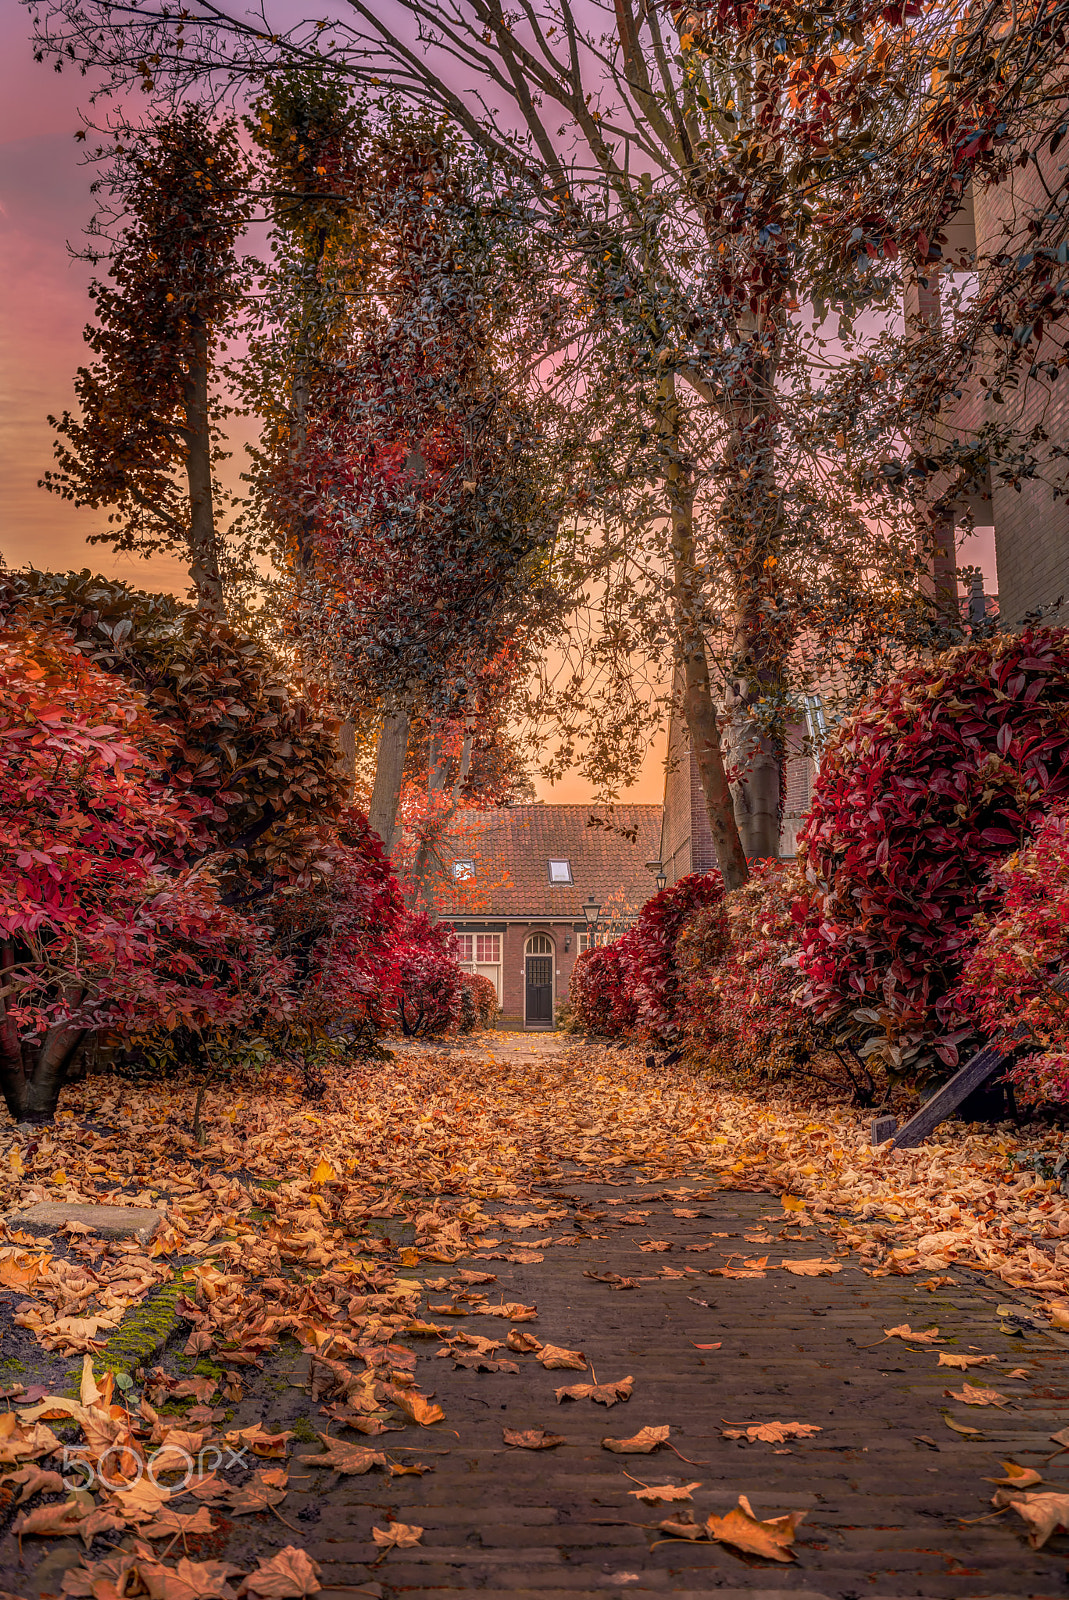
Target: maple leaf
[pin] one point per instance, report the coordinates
(963, 1363)
(603, 1394)
(744, 1530)
(811, 1267)
(262, 1490)
(773, 1432)
(513, 1311)
(291, 1575)
(522, 1343)
(640, 1443)
(554, 1355)
(34, 1480)
(654, 1245)
(417, 1408)
(169, 1523)
(927, 1336)
(398, 1536)
(613, 1279)
(651, 1493)
(341, 1457)
(1044, 1513)
(971, 1396)
(532, 1438)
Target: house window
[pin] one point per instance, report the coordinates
(589, 941)
(481, 953)
(560, 872)
(463, 871)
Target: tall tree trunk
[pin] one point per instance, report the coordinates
(32, 1078)
(203, 545)
(389, 770)
(699, 707)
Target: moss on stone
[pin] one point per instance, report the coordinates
(143, 1331)
(303, 1430)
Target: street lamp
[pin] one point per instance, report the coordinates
(661, 879)
(592, 911)
(660, 876)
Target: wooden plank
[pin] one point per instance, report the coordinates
(976, 1071)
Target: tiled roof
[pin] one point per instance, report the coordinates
(606, 846)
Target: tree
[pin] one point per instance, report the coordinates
(148, 437)
(103, 923)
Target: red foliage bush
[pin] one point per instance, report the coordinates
(944, 772)
(478, 1003)
(599, 992)
(102, 923)
(737, 1002)
(429, 977)
(1020, 947)
(648, 953)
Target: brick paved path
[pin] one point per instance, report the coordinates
(891, 1492)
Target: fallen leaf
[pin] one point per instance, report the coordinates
(651, 1493)
(554, 1355)
(342, 1457)
(745, 1531)
(959, 1427)
(323, 1172)
(971, 1396)
(640, 1443)
(655, 1245)
(963, 1363)
(290, 1575)
(532, 1438)
(34, 1480)
(927, 1336)
(398, 1536)
(603, 1394)
(170, 1522)
(522, 1343)
(613, 1279)
(261, 1491)
(773, 1432)
(1044, 1513)
(417, 1408)
(1017, 1477)
(812, 1267)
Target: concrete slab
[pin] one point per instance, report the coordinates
(107, 1222)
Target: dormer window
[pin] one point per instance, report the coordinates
(560, 872)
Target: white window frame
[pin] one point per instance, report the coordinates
(463, 871)
(560, 861)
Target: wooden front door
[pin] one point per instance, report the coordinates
(539, 967)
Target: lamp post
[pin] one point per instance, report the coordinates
(660, 876)
(592, 912)
(661, 879)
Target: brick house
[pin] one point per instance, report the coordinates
(540, 863)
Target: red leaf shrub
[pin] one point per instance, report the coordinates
(927, 786)
(737, 1001)
(478, 1003)
(101, 922)
(599, 992)
(429, 976)
(648, 952)
(1020, 947)
(340, 934)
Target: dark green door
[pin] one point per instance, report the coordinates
(539, 989)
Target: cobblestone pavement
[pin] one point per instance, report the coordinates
(895, 1499)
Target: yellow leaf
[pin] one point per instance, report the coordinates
(323, 1172)
(639, 1444)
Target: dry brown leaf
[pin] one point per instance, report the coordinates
(1044, 1513)
(812, 1267)
(640, 1443)
(1017, 1477)
(417, 1408)
(651, 1493)
(34, 1480)
(603, 1394)
(397, 1536)
(532, 1438)
(291, 1575)
(773, 1432)
(971, 1396)
(963, 1363)
(959, 1427)
(261, 1491)
(554, 1355)
(169, 1523)
(521, 1343)
(926, 1336)
(348, 1458)
(655, 1245)
(742, 1529)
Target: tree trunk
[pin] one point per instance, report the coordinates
(203, 545)
(389, 770)
(753, 755)
(32, 1077)
(699, 707)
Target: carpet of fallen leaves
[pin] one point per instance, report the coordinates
(339, 1226)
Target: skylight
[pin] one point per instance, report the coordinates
(560, 872)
